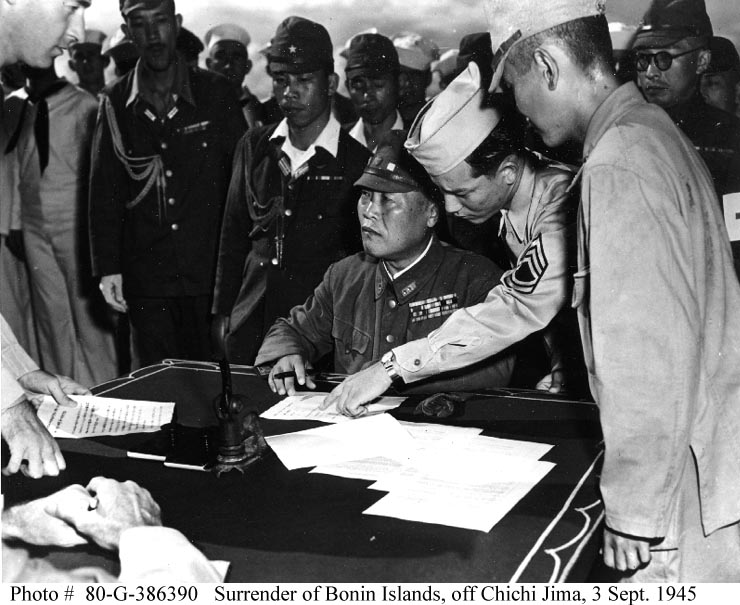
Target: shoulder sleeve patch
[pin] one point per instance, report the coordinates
(529, 270)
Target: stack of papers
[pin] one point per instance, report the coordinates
(433, 473)
(98, 416)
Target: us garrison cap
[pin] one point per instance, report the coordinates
(302, 46)
(724, 56)
(227, 31)
(511, 21)
(128, 6)
(415, 51)
(668, 21)
(392, 169)
(93, 37)
(371, 55)
(452, 125)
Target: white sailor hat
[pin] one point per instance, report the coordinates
(415, 51)
(227, 31)
(510, 21)
(452, 125)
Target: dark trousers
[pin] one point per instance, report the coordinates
(176, 327)
(243, 343)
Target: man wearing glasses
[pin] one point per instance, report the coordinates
(671, 52)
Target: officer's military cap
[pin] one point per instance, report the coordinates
(415, 51)
(511, 21)
(128, 6)
(302, 46)
(447, 64)
(371, 55)
(724, 56)
(392, 169)
(668, 21)
(452, 125)
(227, 31)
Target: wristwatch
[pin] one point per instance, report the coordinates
(388, 361)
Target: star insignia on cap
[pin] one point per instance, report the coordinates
(292, 49)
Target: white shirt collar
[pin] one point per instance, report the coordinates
(328, 140)
(358, 130)
(395, 276)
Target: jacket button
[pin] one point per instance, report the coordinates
(417, 362)
(288, 212)
(168, 173)
(171, 201)
(347, 350)
(390, 338)
(205, 144)
(175, 226)
(320, 216)
(163, 145)
(392, 303)
(274, 261)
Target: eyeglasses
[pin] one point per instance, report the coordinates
(663, 59)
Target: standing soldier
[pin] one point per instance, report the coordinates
(291, 210)
(88, 62)
(227, 47)
(162, 157)
(372, 81)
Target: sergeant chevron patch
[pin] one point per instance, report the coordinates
(529, 271)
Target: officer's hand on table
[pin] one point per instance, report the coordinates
(625, 553)
(351, 395)
(42, 521)
(29, 440)
(117, 507)
(290, 364)
(112, 288)
(40, 383)
(554, 382)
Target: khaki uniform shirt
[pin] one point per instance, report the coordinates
(659, 310)
(528, 297)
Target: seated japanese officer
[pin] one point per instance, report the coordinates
(404, 284)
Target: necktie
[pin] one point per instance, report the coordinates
(41, 124)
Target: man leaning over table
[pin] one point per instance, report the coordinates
(474, 151)
(404, 284)
(32, 449)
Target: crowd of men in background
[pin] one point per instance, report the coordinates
(309, 229)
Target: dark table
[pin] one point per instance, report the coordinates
(294, 526)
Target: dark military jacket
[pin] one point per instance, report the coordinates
(162, 239)
(317, 212)
(360, 314)
(716, 136)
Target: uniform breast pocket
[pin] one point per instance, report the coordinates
(351, 344)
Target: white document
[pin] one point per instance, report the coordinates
(458, 504)
(98, 416)
(306, 407)
(731, 204)
(366, 437)
(369, 469)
